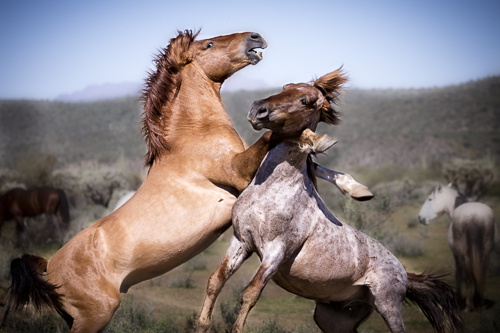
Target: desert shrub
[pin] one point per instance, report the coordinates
(198, 263)
(412, 222)
(34, 171)
(45, 323)
(230, 309)
(473, 178)
(92, 183)
(132, 317)
(403, 246)
(369, 217)
(184, 282)
(191, 322)
(271, 326)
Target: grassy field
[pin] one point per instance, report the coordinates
(170, 303)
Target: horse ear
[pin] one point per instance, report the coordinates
(438, 188)
(450, 185)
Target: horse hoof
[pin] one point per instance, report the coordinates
(361, 194)
(324, 144)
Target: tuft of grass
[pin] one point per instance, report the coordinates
(271, 326)
(132, 318)
(186, 283)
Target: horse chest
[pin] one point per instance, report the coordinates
(272, 210)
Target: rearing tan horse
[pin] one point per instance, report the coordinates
(198, 164)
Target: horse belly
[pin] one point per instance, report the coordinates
(327, 266)
(329, 290)
(163, 235)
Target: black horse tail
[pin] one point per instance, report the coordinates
(63, 206)
(28, 286)
(437, 301)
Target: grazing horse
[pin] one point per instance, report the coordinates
(19, 203)
(471, 237)
(303, 247)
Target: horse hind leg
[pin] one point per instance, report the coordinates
(341, 317)
(388, 295)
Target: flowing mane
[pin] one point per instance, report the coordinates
(331, 86)
(161, 88)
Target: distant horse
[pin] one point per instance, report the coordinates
(198, 165)
(19, 203)
(303, 247)
(471, 237)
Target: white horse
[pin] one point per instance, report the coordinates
(471, 237)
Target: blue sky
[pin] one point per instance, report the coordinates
(48, 48)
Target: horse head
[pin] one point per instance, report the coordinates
(208, 61)
(299, 106)
(222, 56)
(441, 199)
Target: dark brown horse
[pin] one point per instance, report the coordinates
(19, 203)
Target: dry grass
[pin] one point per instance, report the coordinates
(278, 310)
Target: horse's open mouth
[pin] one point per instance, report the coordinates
(254, 56)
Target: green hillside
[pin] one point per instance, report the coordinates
(408, 128)
(404, 127)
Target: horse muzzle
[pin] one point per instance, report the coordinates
(423, 220)
(258, 115)
(255, 41)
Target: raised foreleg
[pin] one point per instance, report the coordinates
(245, 164)
(344, 182)
(235, 255)
(270, 264)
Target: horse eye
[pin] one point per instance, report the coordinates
(303, 101)
(210, 45)
(430, 199)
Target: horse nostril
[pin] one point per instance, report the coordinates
(261, 112)
(255, 36)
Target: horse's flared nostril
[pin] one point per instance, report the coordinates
(261, 112)
(255, 36)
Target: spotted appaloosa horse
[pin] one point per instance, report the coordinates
(471, 237)
(198, 165)
(303, 247)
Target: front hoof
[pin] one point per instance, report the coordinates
(361, 194)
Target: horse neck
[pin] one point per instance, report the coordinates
(197, 108)
(449, 202)
(286, 156)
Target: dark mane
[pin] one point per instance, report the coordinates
(161, 88)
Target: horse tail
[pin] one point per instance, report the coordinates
(477, 238)
(436, 300)
(28, 286)
(63, 206)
